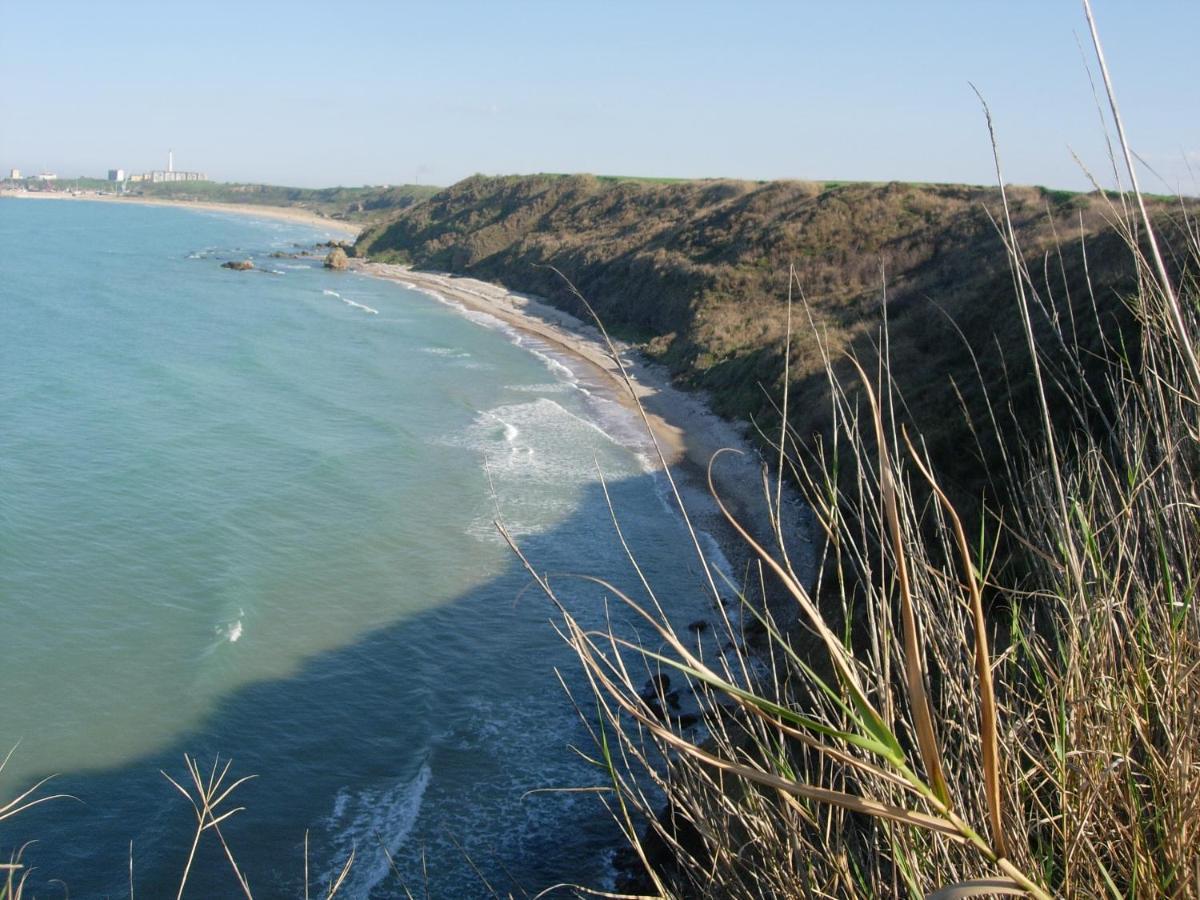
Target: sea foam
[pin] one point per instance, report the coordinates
(362, 820)
(539, 455)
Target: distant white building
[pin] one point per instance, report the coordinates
(45, 176)
(15, 174)
(116, 174)
(169, 174)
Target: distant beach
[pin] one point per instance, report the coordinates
(284, 213)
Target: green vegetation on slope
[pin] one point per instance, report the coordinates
(918, 722)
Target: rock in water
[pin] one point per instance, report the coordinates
(239, 265)
(337, 259)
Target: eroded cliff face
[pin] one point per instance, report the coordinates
(698, 273)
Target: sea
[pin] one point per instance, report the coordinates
(248, 519)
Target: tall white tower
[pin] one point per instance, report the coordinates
(170, 160)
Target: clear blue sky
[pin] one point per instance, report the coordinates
(371, 92)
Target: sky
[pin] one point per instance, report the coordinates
(320, 94)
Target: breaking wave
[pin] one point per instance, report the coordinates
(350, 302)
(363, 820)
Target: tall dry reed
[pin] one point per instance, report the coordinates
(948, 708)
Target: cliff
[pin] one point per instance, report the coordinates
(697, 273)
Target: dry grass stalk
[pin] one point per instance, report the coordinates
(1076, 742)
(211, 792)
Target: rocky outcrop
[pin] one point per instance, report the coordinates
(337, 259)
(238, 265)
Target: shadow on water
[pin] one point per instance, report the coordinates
(454, 712)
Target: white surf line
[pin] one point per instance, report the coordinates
(350, 302)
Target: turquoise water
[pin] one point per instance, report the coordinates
(249, 513)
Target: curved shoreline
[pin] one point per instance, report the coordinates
(282, 213)
(687, 432)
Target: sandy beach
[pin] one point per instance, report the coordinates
(284, 213)
(688, 433)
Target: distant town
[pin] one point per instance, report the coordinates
(118, 177)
